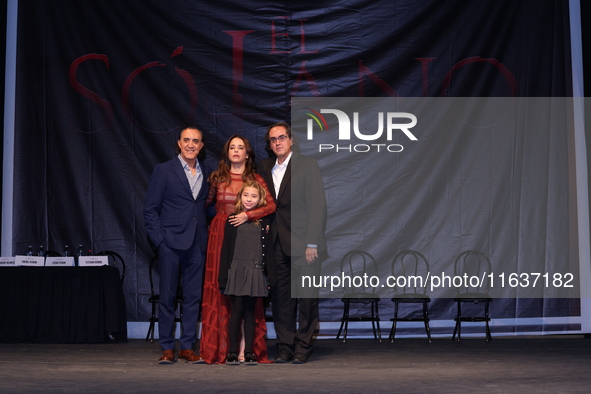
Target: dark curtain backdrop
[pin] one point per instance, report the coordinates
(103, 88)
(3, 11)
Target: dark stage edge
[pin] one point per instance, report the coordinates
(549, 364)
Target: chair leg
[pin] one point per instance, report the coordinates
(151, 328)
(341, 327)
(377, 317)
(428, 329)
(346, 327)
(393, 330)
(486, 310)
(373, 320)
(344, 321)
(426, 321)
(458, 327)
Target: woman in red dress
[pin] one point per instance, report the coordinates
(236, 167)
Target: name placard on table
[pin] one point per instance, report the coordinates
(92, 261)
(7, 262)
(59, 261)
(29, 261)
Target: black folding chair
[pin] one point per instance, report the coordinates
(354, 264)
(413, 268)
(473, 263)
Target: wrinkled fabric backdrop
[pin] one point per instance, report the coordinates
(103, 88)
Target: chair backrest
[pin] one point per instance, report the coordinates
(475, 269)
(410, 271)
(115, 260)
(354, 266)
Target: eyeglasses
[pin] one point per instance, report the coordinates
(281, 138)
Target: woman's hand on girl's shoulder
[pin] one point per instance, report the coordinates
(237, 220)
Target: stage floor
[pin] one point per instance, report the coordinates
(505, 365)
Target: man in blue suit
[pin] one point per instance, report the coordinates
(174, 213)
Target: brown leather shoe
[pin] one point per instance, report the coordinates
(167, 357)
(190, 357)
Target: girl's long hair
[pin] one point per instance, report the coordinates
(262, 196)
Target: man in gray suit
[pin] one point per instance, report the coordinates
(297, 236)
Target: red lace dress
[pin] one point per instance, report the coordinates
(215, 309)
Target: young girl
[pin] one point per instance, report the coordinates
(242, 274)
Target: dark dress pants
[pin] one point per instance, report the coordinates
(189, 263)
(291, 339)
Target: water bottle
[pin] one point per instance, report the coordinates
(80, 251)
(41, 251)
(66, 250)
(30, 251)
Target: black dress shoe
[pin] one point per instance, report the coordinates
(282, 358)
(232, 359)
(250, 359)
(299, 359)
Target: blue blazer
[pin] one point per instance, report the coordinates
(171, 213)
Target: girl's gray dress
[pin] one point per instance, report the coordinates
(246, 276)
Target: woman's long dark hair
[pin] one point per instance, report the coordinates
(222, 174)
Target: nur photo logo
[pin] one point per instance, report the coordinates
(388, 123)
